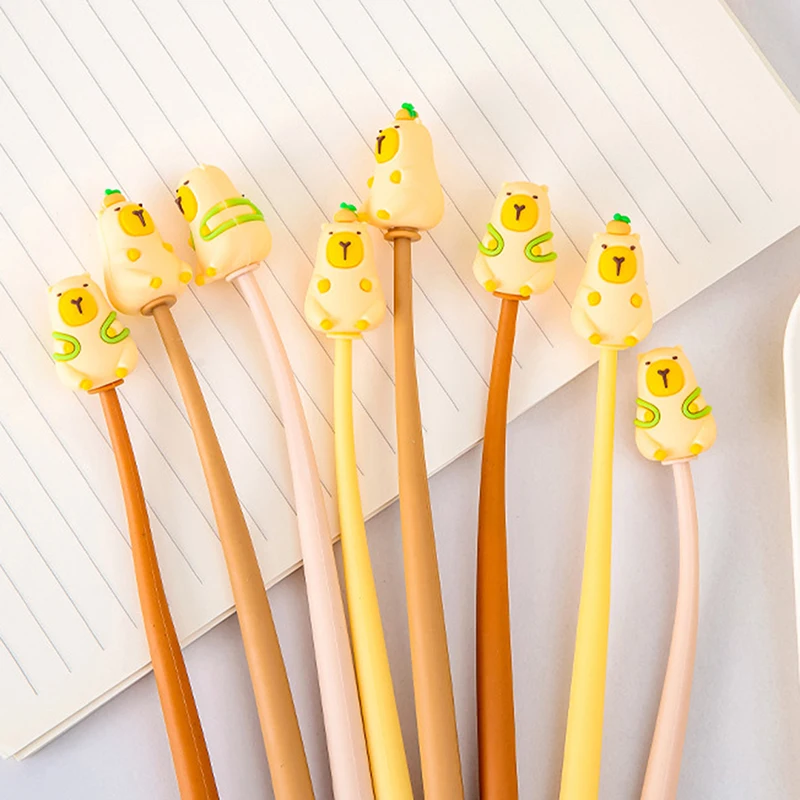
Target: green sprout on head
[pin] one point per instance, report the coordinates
(622, 218)
(348, 207)
(113, 191)
(411, 110)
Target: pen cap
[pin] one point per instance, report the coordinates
(92, 348)
(227, 230)
(344, 296)
(612, 307)
(515, 256)
(139, 267)
(673, 421)
(404, 190)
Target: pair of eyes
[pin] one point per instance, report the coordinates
(85, 286)
(604, 246)
(119, 208)
(383, 129)
(648, 363)
(534, 196)
(330, 233)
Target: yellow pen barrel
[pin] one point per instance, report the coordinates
(580, 775)
(390, 777)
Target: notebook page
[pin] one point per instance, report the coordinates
(618, 105)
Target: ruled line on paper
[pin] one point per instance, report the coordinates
(50, 568)
(521, 104)
(34, 616)
(491, 125)
(60, 512)
(18, 664)
(636, 202)
(625, 122)
(666, 116)
(700, 99)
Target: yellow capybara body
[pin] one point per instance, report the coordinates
(345, 297)
(514, 257)
(404, 191)
(92, 349)
(138, 265)
(227, 230)
(673, 421)
(612, 306)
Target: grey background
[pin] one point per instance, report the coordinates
(743, 741)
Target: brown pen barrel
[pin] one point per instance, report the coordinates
(276, 712)
(185, 735)
(430, 662)
(496, 733)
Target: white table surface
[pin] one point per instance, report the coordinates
(743, 741)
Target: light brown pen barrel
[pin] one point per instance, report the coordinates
(496, 734)
(430, 663)
(185, 735)
(279, 727)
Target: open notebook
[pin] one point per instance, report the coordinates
(661, 111)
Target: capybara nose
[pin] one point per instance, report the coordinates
(139, 212)
(380, 142)
(179, 203)
(344, 246)
(77, 303)
(663, 373)
(519, 210)
(619, 260)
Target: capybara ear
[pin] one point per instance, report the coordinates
(544, 187)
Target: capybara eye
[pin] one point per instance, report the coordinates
(604, 246)
(647, 363)
(85, 285)
(536, 197)
(674, 358)
(508, 194)
(633, 247)
(358, 233)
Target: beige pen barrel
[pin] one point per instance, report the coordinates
(430, 660)
(279, 727)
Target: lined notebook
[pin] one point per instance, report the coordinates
(661, 111)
